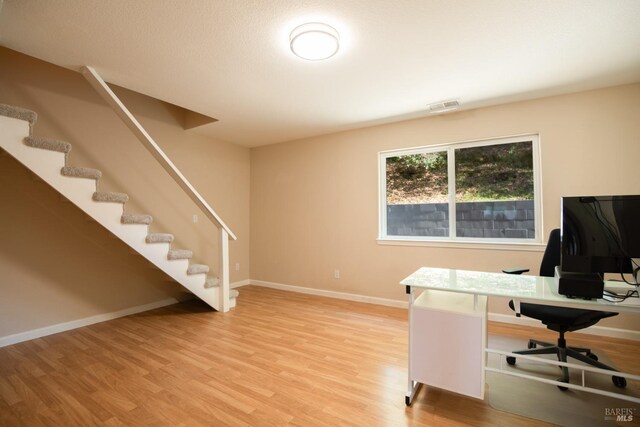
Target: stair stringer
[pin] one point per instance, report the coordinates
(48, 164)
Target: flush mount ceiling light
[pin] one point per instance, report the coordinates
(314, 41)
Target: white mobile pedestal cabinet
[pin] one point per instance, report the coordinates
(447, 341)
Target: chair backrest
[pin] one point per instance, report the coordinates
(551, 256)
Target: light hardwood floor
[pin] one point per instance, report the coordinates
(278, 358)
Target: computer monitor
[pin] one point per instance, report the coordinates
(600, 234)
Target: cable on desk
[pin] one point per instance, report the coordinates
(634, 275)
(614, 297)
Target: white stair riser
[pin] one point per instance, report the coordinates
(106, 214)
(178, 266)
(132, 234)
(197, 280)
(155, 250)
(47, 165)
(44, 163)
(78, 187)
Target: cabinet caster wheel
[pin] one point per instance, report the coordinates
(564, 381)
(531, 344)
(592, 356)
(620, 382)
(511, 360)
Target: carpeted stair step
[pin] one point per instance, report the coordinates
(211, 282)
(48, 144)
(74, 172)
(159, 238)
(107, 196)
(175, 254)
(136, 219)
(20, 114)
(197, 269)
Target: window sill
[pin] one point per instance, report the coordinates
(490, 245)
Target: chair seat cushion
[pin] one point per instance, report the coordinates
(557, 318)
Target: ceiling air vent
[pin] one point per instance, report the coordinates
(443, 106)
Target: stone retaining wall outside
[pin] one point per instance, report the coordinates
(511, 219)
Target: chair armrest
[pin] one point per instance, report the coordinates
(515, 270)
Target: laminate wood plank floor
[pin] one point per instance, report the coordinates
(278, 358)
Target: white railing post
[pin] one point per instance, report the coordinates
(223, 270)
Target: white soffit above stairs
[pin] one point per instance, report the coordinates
(231, 59)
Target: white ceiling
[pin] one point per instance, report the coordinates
(230, 59)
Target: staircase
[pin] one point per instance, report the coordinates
(49, 159)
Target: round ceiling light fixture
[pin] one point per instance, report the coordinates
(314, 41)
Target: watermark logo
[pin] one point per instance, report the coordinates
(619, 414)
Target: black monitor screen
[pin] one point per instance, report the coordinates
(600, 233)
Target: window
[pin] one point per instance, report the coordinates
(483, 191)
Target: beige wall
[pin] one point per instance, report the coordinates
(57, 266)
(314, 202)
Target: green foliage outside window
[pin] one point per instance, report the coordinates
(493, 172)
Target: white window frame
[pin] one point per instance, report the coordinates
(450, 148)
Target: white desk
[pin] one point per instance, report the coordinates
(476, 285)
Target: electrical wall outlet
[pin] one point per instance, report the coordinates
(237, 266)
(336, 274)
(195, 218)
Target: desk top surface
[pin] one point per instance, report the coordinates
(521, 287)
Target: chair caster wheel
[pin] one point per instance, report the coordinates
(592, 356)
(620, 382)
(531, 344)
(511, 360)
(564, 381)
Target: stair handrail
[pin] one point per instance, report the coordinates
(143, 136)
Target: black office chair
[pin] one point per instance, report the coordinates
(561, 320)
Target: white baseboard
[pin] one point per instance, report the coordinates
(603, 331)
(495, 317)
(331, 294)
(66, 326)
(512, 319)
(239, 283)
